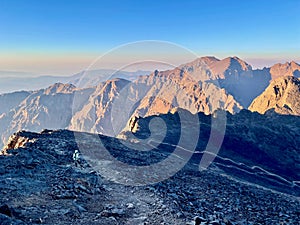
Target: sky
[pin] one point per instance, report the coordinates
(62, 37)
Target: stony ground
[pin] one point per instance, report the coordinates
(39, 184)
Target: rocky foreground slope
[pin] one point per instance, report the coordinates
(253, 180)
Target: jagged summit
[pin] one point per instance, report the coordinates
(229, 66)
(283, 95)
(216, 68)
(243, 64)
(114, 82)
(59, 88)
(287, 69)
(205, 60)
(233, 74)
(209, 59)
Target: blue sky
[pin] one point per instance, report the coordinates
(64, 33)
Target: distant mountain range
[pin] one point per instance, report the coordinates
(27, 83)
(217, 70)
(88, 102)
(16, 81)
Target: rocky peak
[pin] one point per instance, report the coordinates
(59, 88)
(285, 69)
(232, 63)
(112, 85)
(206, 60)
(209, 59)
(15, 141)
(228, 67)
(283, 95)
(236, 60)
(115, 83)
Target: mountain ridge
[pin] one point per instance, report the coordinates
(11, 84)
(106, 107)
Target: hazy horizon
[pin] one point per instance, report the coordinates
(256, 63)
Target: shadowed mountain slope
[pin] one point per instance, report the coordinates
(39, 181)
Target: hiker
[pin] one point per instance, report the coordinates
(76, 158)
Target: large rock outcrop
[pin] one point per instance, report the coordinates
(282, 95)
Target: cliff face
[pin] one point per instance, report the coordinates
(282, 95)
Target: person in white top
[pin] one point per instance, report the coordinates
(76, 158)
